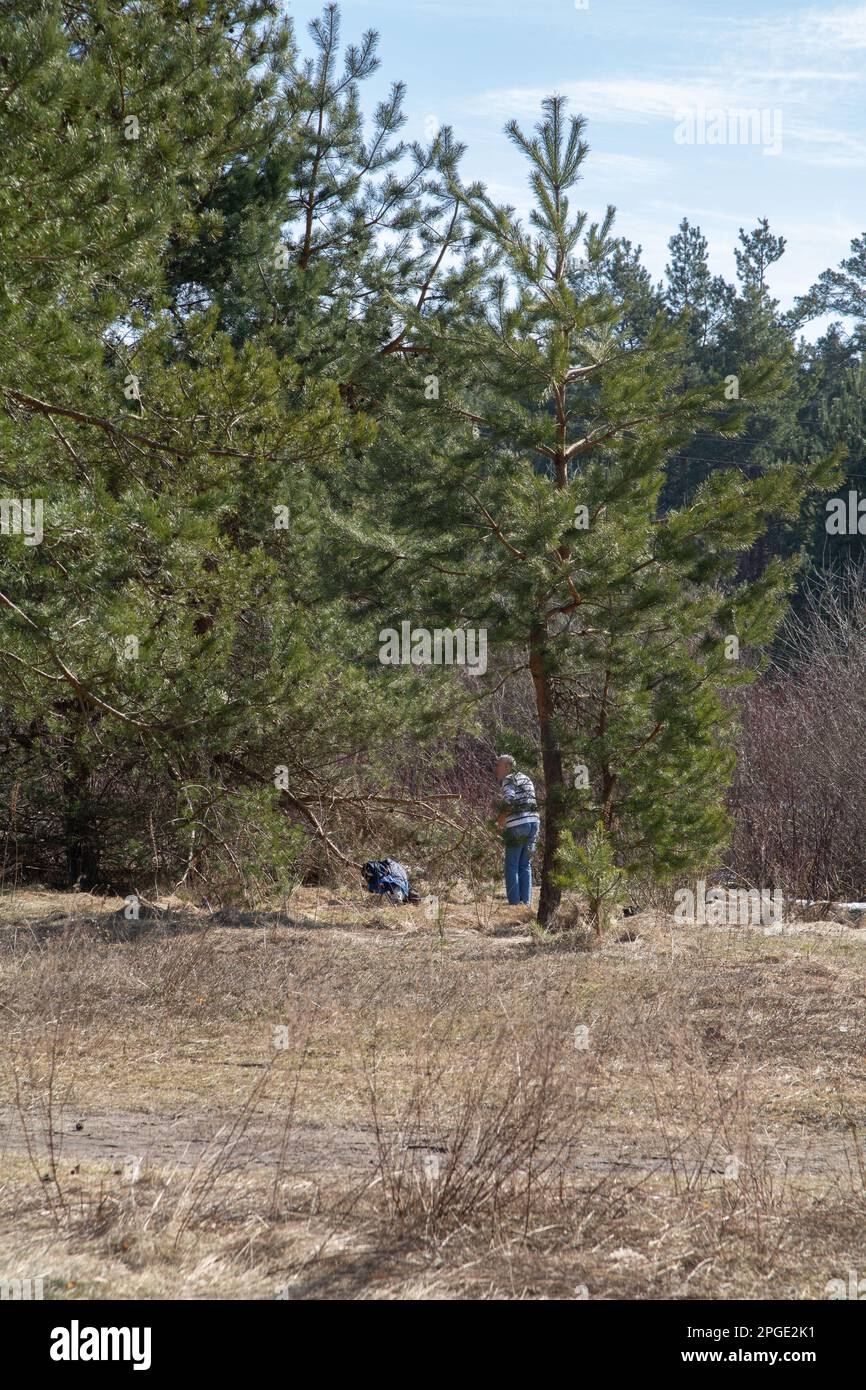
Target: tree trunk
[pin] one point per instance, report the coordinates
(551, 760)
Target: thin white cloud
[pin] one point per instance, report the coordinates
(624, 101)
(612, 99)
(626, 168)
(825, 146)
(832, 161)
(800, 75)
(841, 29)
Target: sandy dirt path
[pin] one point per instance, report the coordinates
(119, 1138)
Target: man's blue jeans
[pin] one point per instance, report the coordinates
(519, 843)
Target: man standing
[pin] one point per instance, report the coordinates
(518, 821)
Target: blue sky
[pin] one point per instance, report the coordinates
(635, 70)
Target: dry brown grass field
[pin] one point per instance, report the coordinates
(336, 1098)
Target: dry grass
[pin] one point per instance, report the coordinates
(339, 1099)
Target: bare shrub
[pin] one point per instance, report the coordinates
(478, 1146)
(799, 797)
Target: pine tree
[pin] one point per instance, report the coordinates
(183, 430)
(841, 291)
(591, 868)
(834, 410)
(536, 515)
(736, 326)
(161, 621)
(692, 291)
(336, 296)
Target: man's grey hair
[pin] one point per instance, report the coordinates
(507, 759)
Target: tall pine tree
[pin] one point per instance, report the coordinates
(534, 513)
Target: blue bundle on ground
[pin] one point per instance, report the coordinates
(389, 878)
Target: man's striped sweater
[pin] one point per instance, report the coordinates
(518, 798)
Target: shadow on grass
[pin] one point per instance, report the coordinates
(63, 929)
(341, 1276)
